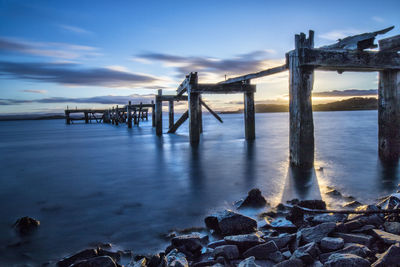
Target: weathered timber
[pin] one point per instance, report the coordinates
(84, 110)
(194, 120)
(159, 113)
(129, 113)
(390, 44)
(153, 114)
(389, 115)
(86, 117)
(230, 88)
(200, 116)
(211, 111)
(249, 116)
(189, 81)
(256, 75)
(342, 60)
(359, 41)
(116, 115)
(171, 113)
(67, 119)
(139, 111)
(174, 98)
(301, 78)
(179, 122)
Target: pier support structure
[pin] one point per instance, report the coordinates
(129, 115)
(158, 115)
(171, 113)
(301, 78)
(249, 115)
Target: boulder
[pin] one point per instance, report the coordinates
(322, 218)
(262, 251)
(333, 193)
(276, 256)
(217, 243)
(390, 258)
(352, 204)
(231, 223)
(249, 262)
(355, 249)
(244, 242)
(348, 260)
(313, 204)
(392, 227)
(282, 240)
(391, 202)
(139, 263)
(331, 243)
(254, 199)
(101, 261)
(191, 242)
(386, 237)
(353, 224)
(365, 228)
(82, 255)
(229, 252)
(356, 238)
(26, 225)
(282, 224)
(176, 259)
(318, 232)
(116, 256)
(307, 253)
(290, 263)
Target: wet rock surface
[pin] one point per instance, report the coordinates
(254, 199)
(230, 223)
(26, 225)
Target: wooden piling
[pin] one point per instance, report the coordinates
(86, 117)
(153, 114)
(171, 113)
(194, 122)
(301, 78)
(158, 115)
(129, 114)
(389, 115)
(249, 115)
(67, 118)
(116, 115)
(200, 116)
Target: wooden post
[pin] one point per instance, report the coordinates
(389, 115)
(113, 116)
(301, 134)
(158, 111)
(153, 114)
(116, 115)
(194, 104)
(67, 119)
(249, 115)
(171, 114)
(138, 114)
(200, 116)
(129, 113)
(86, 117)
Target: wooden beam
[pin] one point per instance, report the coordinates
(211, 111)
(171, 114)
(179, 122)
(159, 113)
(389, 115)
(174, 98)
(256, 75)
(343, 60)
(301, 133)
(224, 88)
(390, 44)
(188, 82)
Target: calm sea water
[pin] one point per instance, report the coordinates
(104, 183)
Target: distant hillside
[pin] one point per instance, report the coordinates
(355, 103)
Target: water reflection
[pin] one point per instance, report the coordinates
(249, 161)
(388, 175)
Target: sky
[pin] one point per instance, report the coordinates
(55, 54)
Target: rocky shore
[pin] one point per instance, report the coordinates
(296, 233)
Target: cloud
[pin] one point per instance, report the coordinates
(209, 68)
(345, 93)
(378, 19)
(339, 34)
(34, 91)
(47, 49)
(109, 99)
(75, 29)
(74, 74)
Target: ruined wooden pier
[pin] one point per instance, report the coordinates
(348, 54)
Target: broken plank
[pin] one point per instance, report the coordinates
(390, 44)
(224, 88)
(211, 111)
(179, 122)
(256, 75)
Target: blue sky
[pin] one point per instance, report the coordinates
(92, 53)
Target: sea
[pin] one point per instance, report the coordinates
(99, 183)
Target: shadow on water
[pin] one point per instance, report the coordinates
(388, 175)
(301, 184)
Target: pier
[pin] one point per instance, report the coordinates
(353, 53)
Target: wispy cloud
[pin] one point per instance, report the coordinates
(346, 93)
(34, 91)
(74, 74)
(211, 68)
(378, 19)
(339, 34)
(47, 49)
(75, 29)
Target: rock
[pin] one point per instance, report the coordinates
(282, 240)
(333, 193)
(392, 227)
(331, 243)
(229, 252)
(191, 243)
(276, 256)
(390, 258)
(26, 225)
(249, 262)
(316, 264)
(356, 238)
(82, 255)
(114, 255)
(262, 251)
(307, 253)
(176, 259)
(287, 254)
(139, 263)
(365, 228)
(355, 249)
(348, 260)
(296, 216)
(313, 204)
(156, 261)
(231, 223)
(283, 224)
(217, 243)
(352, 204)
(244, 242)
(101, 261)
(391, 202)
(318, 232)
(322, 218)
(254, 199)
(290, 263)
(363, 208)
(353, 224)
(386, 237)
